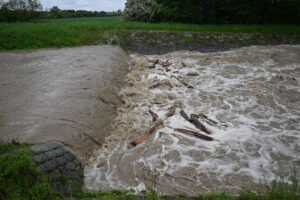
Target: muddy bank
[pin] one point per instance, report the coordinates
(251, 95)
(66, 96)
(160, 42)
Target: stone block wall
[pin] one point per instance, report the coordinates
(62, 166)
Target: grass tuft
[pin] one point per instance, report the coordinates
(19, 178)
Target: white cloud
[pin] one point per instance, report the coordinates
(93, 5)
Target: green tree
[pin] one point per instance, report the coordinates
(141, 10)
(54, 9)
(55, 12)
(19, 10)
(34, 5)
(215, 11)
(24, 5)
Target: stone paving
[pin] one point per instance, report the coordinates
(64, 169)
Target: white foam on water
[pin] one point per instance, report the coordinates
(253, 93)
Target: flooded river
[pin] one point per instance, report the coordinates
(61, 95)
(252, 98)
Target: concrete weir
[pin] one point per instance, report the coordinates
(64, 96)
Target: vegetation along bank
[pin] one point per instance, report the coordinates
(131, 35)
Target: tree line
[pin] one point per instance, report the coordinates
(19, 10)
(214, 11)
(55, 12)
(26, 10)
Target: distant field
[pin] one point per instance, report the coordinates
(84, 19)
(83, 31)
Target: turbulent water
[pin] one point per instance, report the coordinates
(252, 93)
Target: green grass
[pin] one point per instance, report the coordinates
(277, 190)
(85, 31)
(19, 178)
(83, 19)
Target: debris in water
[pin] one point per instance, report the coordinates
(147, 134)
(170, 84)
(192, 74)
(153, 114)
(193, 133)
(166, 64)
(183, 64)
(156, 85)
(198, 124)
(193, 119)
(182, 82)
(154, 63)
(172, 110)
(202, 116)
(185, 116)
(177, 157)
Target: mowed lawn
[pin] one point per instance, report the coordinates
(83, 31)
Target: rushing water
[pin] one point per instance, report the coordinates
(253, 93)
(61, 95)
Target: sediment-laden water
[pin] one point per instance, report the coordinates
(61, 95)
(252, 93)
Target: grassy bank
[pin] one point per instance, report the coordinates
(276, 191)
(85, 31)
(19, 178)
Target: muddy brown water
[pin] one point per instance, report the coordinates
(254, 95)
(71, 96)
(66, 96)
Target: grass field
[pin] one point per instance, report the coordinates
(83, 31)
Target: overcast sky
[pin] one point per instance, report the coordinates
(93, 5)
